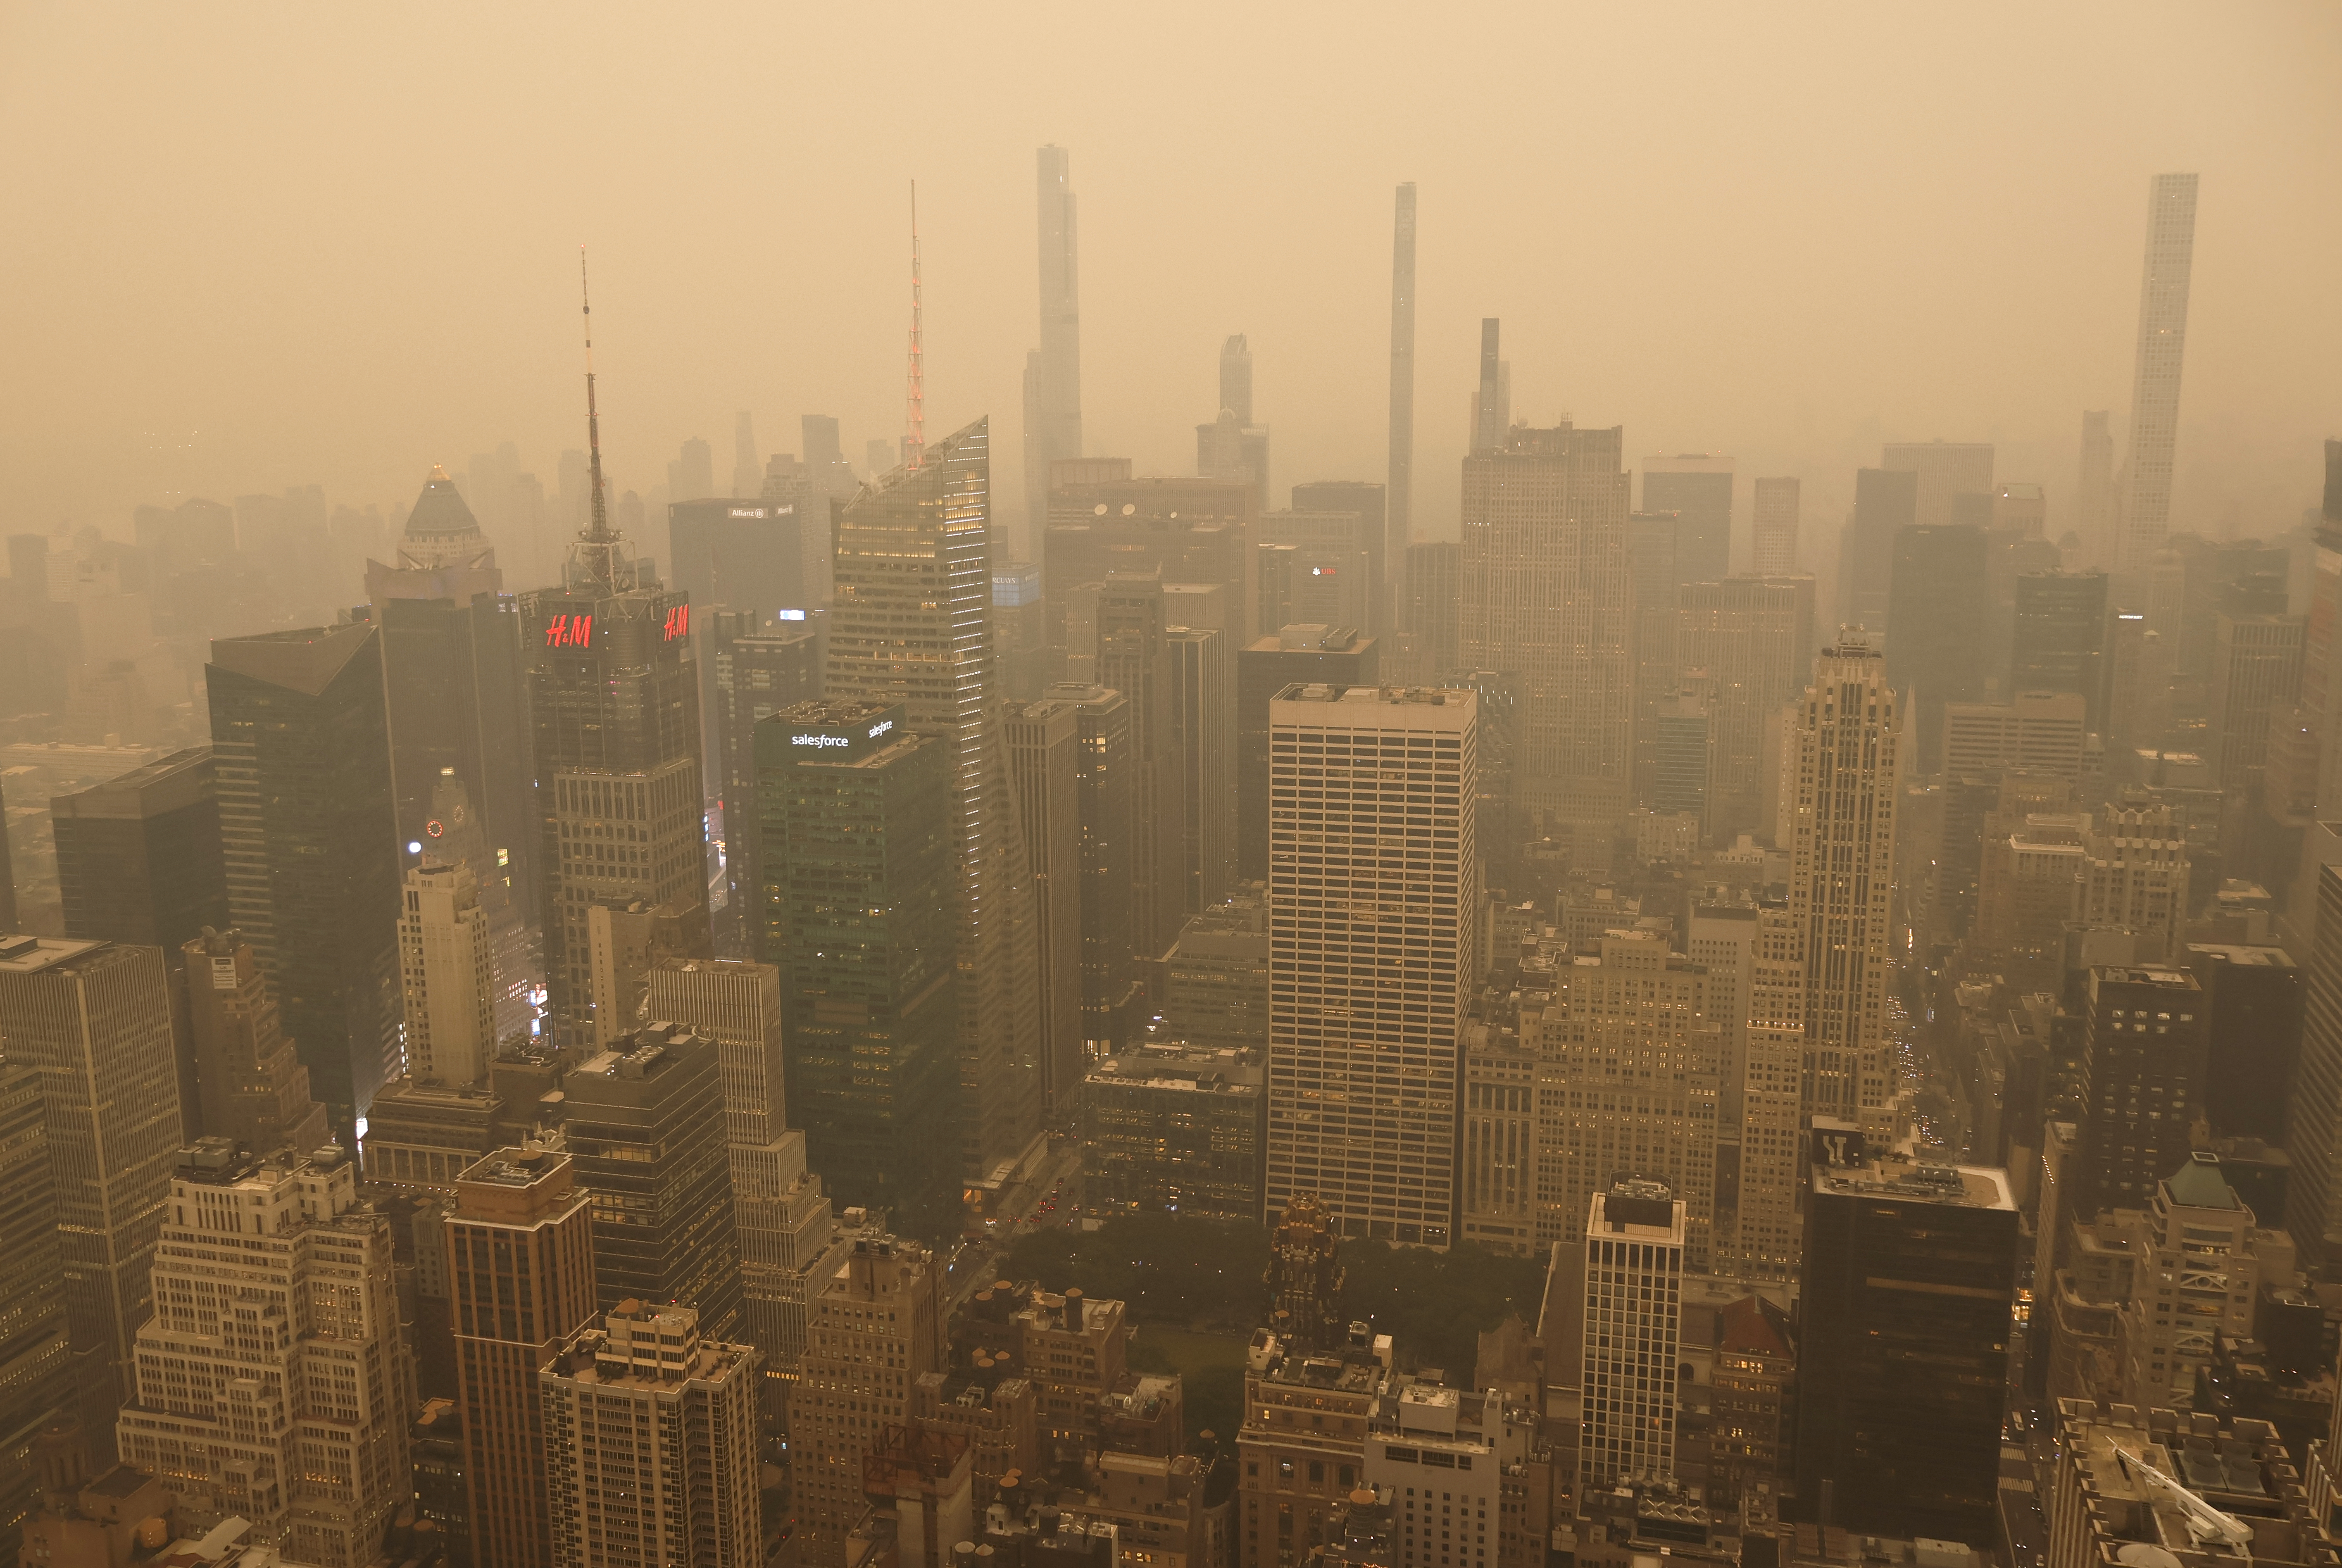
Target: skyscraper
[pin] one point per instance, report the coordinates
(650, 1443)
(1373, 902)
(138, 857)
(762, 664)
(1546, 597)
(1947, 470)
(2154, 379)
(450, 974)
(748, 472)
(1492, 414)
(319, 1465)
(2060, 638)
(1135, 659)
(2094, 492)
(1307, 654)
(1368, 503)
(2256, 672)
(36, 1387)
(646, 1128)
(1630, 1060)
(1232, 446)
(911, 624)
(2143, 1063)
(1111, 992)
(1848, 738)
(1053, 372)
(778, 1205)
(1434, 585)
(251, 1087)
(1635, 1247)
(1775, 526)
(1044, 764)
(1698, 488)
(1401, 486)
(452, 682)
(1747, 643)
(520, 1255)
(1885, 503)
(306, 819)
(614, 718)
(877, 1327)
(1909, 1275)
(1935, 603)
(856, 827)
(94, 1020)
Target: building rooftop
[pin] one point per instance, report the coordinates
(1959, 1186)
(25, 955)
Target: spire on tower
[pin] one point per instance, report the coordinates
(596, 554)
(915, 437)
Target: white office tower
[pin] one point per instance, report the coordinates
(1633, 1324)
(2145, 484)
(1374, 905)
(272, 1382)
(650, 1445)
(447, 963)
(1630, 1072)
(1843, 770)
(778, 1205)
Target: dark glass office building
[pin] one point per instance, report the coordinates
(645, 1123)
(301, 752)
(1907, 1286)
(860, 894)
(138, 857)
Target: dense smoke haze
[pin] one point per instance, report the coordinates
(259, 245)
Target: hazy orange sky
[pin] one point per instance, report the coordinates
(257, 245)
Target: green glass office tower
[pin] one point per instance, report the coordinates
(860, 902)
(911, 623)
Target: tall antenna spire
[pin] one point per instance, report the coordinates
(915, 437)
(597, 546)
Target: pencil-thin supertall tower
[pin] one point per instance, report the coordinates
(914, 420)
(1053, 372)
(2155, 379)
(1399, 514)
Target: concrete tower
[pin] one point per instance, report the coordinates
(1053, 372)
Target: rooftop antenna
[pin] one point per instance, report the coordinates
(597, 544)
(915, 437)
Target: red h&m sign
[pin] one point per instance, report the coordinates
(678, 621)
(569, 632)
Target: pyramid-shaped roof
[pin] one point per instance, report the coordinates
(2198, 1185)
(441, 531)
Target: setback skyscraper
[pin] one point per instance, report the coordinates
(614, 716)
(911, 624)
(251, 1087)
(2145, 496)
(1373, 893)
(1844, 767)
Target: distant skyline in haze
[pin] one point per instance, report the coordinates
(253, 248)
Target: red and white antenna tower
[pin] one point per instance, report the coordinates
(915, 435)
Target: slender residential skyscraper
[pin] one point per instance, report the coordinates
(1400, 495)
(912, 623)
(1372, 890)
(2154, 380)
(1489, 414)
(1053, 372)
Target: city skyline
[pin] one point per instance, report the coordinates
(691, 357)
